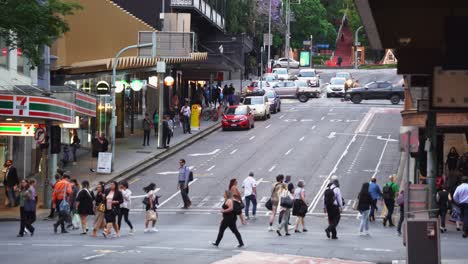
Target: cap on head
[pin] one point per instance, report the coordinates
(251, 174)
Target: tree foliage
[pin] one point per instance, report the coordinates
(311, 19)
(30, 24)
(239, 16)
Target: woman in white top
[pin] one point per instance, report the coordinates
(300, 206)
(125, 206)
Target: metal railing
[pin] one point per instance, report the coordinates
(202, 7)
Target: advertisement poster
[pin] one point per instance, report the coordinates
(195, 118)
(304, 58)
(104, 164)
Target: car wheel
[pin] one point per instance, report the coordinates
(328, 95)
(356, 98)
(303, 98)
(224, 129)
(269, 116)
(395, 99)
(279, 108)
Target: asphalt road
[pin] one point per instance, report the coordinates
(310, 141)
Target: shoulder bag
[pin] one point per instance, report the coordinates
(269, 204)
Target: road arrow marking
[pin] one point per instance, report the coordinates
(252, 137)
(387, 139)
(332, 135)
(210, 168)
(234, 151)
(205, 154)
(287, 152)
(272, 168)
(302, 138)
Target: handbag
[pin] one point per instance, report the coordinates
(269, 204)
(64, 206)
(152, 215)
(101, 208)
(286, 202)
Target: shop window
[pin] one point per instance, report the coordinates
(4, 56)
(23, 66)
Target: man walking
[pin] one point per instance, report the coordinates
(62, 190)
(389, 191)
(250, 195)
(11, 182)
(146, 129)
(185, 111)
(461, 198)
(333, 201)
(376, 194)
(184, 176)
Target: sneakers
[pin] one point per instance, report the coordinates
(146, 230)
(278, 232)
(270, 228)
(132, 231)
(154, 229)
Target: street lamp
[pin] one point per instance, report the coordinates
(356, 43)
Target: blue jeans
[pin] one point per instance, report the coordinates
(364, 226)
(373, 208)
(11, 197)
(251, 198)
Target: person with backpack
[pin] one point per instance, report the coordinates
(389, 191)
(184, 178)
(150, 201)
(62, 190)
(333, 201)
(229, 220)
(376, 194)
(364, 205)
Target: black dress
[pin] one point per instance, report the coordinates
(86, 199)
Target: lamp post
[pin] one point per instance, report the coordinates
(168, 81)
(269, 37)
(356, 43)
(288, 23)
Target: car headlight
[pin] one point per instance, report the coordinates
(242, 119)
(248, 91)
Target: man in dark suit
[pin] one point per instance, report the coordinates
(11, 182)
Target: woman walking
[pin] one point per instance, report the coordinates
(27, 208)
(113, 200)
(84, 206)
(100, 209)
(285, 210)
(300, 206)
(229, 220)
(125, 207)
(237, 198)
(275, 199)
(364, 204)
(443, 199)
(150, 202)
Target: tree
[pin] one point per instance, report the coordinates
(311, 19)
(30, 24)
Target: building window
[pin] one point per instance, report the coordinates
(23, 63)
(4, 55)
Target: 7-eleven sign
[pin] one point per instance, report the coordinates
(21, 105)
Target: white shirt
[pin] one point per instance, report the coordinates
(248, 185)
(186, 111)
(126, 199)
(461, 194)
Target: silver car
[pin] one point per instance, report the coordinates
(286, 89)
(283, 63)
(309, 75)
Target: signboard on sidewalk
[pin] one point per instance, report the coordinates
(195, 117)
(104, 164)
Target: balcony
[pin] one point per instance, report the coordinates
(203, 9)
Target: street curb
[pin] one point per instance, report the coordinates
(157, 158)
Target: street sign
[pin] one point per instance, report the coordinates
(322, 46)
(39, 135)
(104, 164)
(168, 44)
(306, 42)
(267, 39)
(161, 67)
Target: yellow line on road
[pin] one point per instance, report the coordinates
(134, 180)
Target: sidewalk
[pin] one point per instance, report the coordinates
(130, 158)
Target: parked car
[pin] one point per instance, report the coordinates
(283, 63)
(336, 87)
(345, 75)
(380, 90)
(270, 77)
(259, 106)
(286, 89)
(237, 117)
(309, 75)
(257, 87)
(273, 100)
(306, 90)
(282, 73)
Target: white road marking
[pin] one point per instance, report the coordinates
(281, 117)
(173, 172)
(150, 247)
(11, 244)
(332, 135)
(366, 121)
(94, 256)
(210, 168)
(375, 249)
(289, 151)
(302, 138)
(268, 126)
(252, 137)
(51, 245)
(322, 118)
(199, 249)
(307, 120)
(144, 195)
(205, 154)
(317, 197)
(272, 168)
(104, 246)
(234, 151)
(331, 110)
(175, 194)
(331, 113)
(313, 127)
(349, 202)
(259, 181)
(387, 139)
(380, 159)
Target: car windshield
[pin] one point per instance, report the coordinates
(337, 81)
(257, 84)
(343, 75)
(307, 74)
(302, 83)
(270, 94)
(281, 71)
(269, 78)
(253, 100)
(236, 111)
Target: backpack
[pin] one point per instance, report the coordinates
(190, 177)
(387, 192)
(329, 197)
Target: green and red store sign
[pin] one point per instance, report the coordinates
(47, 108)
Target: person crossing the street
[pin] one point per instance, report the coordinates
(125, 207)
(250, 195)
(62, 190)
(275, 199)
(364, 205)
(460, 197)
(184, 177)
(376, 194)
(389, 192)
(333, 201)
(229, 220)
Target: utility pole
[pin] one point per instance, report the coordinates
(269, 38)
(261, 66)
(288, 23)
(432, 166)
(356, 43)
(311, 50)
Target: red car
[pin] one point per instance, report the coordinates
(237, 116)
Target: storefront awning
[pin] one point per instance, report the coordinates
(132, 62)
